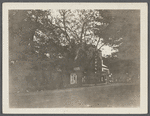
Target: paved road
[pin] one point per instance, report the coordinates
(115, 95)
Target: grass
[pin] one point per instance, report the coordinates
(113, 95)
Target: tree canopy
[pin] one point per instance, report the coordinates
(61, 31)
(57, 35)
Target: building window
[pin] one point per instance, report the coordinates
(73, 78)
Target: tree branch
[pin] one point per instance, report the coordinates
(82, 31)
(101, 46)
(98, 42)
(64, 23)
(73, 32)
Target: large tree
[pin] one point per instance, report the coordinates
(55, 34)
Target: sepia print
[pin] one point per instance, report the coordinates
(81, 58)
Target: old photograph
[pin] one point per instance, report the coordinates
(75, 58)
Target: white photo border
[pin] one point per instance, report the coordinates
(143, 7)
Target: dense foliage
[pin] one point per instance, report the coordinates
(59, 35)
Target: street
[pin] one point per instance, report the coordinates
(111, 95)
